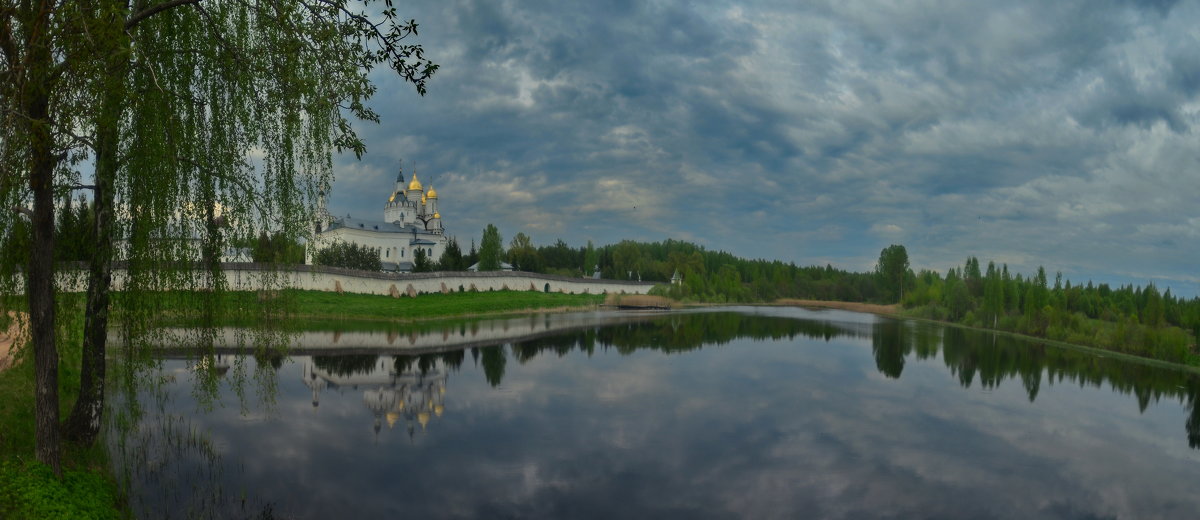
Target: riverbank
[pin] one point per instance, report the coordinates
(870, 308)
(303, 309)
(29, 489)
(896, 311)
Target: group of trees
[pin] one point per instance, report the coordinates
(349, 256)
(1135, 320)
(167, 99)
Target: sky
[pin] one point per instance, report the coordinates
(1062, 134)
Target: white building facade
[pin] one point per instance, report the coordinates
(411, 222)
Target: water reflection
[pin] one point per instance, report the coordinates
(759, 412)
(392, 389)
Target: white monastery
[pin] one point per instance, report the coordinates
(410, 222)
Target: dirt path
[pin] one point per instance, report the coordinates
(7, 338)
(886, 310)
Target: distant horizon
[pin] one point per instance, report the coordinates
(1024, 133)
(1112, 281)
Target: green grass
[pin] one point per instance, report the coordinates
(29, 489)
(318, 309)
(329, 304)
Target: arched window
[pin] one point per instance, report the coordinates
(387, 252)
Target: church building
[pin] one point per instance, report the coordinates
(411, 222)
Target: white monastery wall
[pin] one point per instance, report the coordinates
(248, 277)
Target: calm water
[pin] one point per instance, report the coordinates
(737, 413)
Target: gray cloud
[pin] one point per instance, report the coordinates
(1057, 134)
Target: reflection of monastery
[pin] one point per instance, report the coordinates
(390, 395)
(411, 222)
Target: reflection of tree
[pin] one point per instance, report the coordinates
(970, 355)
(346, 365)
(996, 357)
(1193, 422)
(889, 345)
(493, 364)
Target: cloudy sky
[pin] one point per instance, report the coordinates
(1061, 133)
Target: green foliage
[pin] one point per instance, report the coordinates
(421, 263)
(892, 270)
(1131, 320)
(31, 490)
(349, 256)
(277, 248)
(74, 227)
(491, 249)
(522, 255)
(452, 258)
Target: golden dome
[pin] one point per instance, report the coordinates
(423, 418)
(438, 410)
(432, 192)
(415, 184)
(393, 197)
(391, 419)
(422, 199)
(437, 215)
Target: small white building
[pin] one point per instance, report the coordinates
(411, 222)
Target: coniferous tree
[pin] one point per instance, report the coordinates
(491, 249)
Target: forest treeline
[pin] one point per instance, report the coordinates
(1138, 320)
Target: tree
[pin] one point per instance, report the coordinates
(349, 255)
(892, 269)
(591, 259)
(452, 258)
(522, 254)
(491, 249)
(182, 91)
(421, 263)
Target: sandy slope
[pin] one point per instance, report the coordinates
(6, 340)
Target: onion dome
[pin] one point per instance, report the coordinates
(423, 418)
(415, 184)
(437, 215)
(422, 199)
(432, 192)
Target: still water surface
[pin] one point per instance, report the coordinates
(731, 413)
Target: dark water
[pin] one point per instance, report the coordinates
(738, 413)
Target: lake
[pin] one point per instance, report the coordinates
(742, 412)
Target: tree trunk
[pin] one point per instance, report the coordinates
(83, 425)
(40, 289)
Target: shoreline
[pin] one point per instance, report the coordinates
(894, 311)
(869, 308)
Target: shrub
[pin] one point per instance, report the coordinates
(31, 490)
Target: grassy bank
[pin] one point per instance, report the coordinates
(304, 310)
(29, 489)
(1164, 345)
(1124, 336)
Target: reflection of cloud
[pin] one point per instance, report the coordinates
(794, 428)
